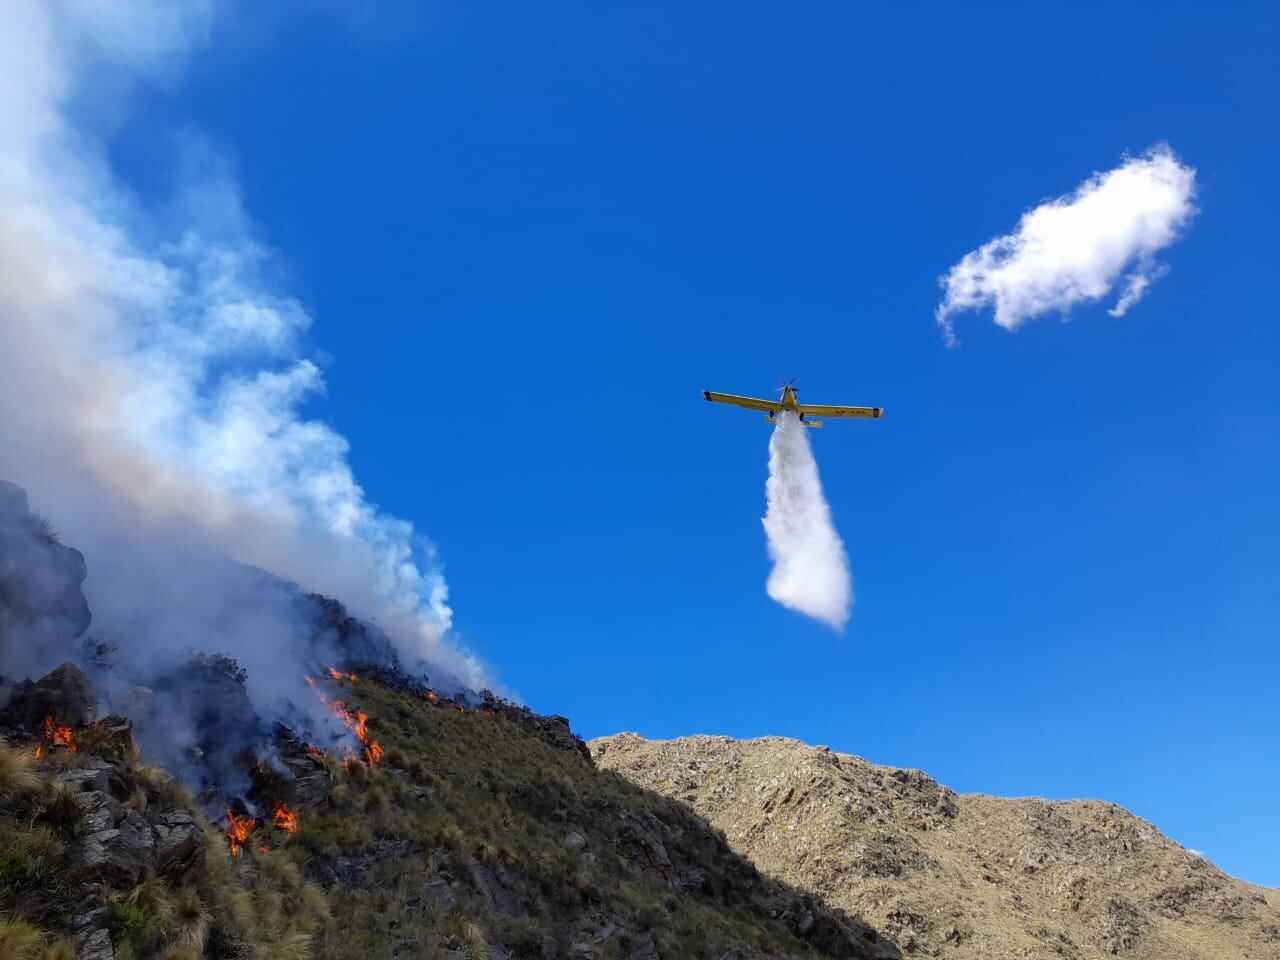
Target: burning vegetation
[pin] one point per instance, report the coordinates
(355, 721)
(285, 819)
(56, 735)
(238, 830)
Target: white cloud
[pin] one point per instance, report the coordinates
(1077, 248)
(153, 374)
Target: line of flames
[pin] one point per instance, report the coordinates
(239, 827)
(357, 723)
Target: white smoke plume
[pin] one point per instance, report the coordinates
(810, 568)
(154, 373)
(1077, 248)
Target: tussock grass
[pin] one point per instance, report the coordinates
(20, 940)
(18, 779)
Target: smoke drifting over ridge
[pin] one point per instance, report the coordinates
(810, 568)
(153, 377)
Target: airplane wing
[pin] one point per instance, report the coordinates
(818, 410)
(751, 403)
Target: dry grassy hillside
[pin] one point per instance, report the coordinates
(967, 877)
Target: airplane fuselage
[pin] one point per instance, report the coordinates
(789, 402)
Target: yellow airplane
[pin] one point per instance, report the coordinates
(788, 401)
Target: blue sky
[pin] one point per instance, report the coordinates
(530, 235)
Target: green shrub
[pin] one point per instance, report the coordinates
(27, 858)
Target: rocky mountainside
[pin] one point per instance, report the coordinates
(967, 877)
(157, 810)
(466, 833)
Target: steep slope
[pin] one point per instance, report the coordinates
(353, 813)
(476, 833)
(958, 876)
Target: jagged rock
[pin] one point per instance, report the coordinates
(180, 851)
(64, 694)
(553, 730)
(96, 774)
(574, 842)
(117, 845)
(304, 782)
(41, 604)
(95, 945)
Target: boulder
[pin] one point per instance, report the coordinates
(64, 694)
(96, 775)
(117, 845)
(180, 851)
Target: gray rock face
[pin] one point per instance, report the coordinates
(305, 782)
(41, 604)
(95, 945)
(95, 775)
(118, 844)
(63, 694)
(575, 842)
(180, 852)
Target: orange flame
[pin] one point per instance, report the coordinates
(57, 735)
(238, 830)
(339, 675)
(431, 696)
(357, 723)
(285, 819)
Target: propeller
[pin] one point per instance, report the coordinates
(787, 383)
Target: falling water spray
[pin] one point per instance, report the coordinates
(810, 569)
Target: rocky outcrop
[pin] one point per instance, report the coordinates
(41, 604)
(954, 876)
(64, 695)
(551, 729)
(179, 848)
(116, 844)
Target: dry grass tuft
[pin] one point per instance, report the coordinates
(17, 779)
